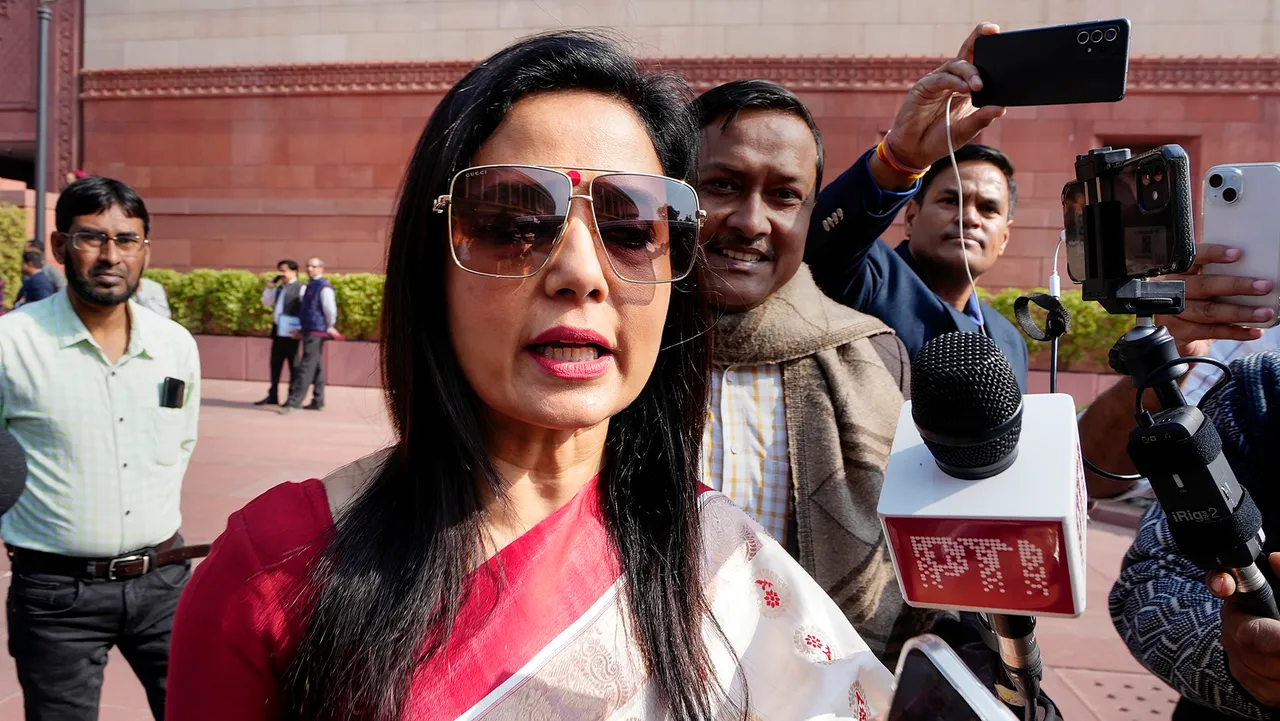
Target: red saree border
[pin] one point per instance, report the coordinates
(520, 601)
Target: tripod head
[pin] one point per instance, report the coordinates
(1142, 351)
(1136, 296)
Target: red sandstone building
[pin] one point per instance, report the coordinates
(257, 131)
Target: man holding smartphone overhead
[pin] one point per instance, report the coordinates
(104, 398)
(922, 288)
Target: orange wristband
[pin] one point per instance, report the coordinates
(886, 157)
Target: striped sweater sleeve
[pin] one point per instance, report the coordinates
(1172, 624)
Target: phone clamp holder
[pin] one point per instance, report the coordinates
(1109, 282)
(1136, 296)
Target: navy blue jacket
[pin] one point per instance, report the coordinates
(312, 311)
(37, 287)
(854, 266)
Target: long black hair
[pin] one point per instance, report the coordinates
(391, 578)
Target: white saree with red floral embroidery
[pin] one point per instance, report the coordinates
(544, 632)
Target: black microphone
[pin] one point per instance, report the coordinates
(968, 408)
(13, 471)
(966, 403)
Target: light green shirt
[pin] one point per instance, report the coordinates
(105, 460)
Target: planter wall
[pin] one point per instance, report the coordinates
(239, 358)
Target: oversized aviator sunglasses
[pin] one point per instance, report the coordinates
(506, 221)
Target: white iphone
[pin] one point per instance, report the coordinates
(1242, 209)
(933, 684)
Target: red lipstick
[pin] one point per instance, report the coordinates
(572, 353)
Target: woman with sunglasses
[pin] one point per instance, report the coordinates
(537, 543)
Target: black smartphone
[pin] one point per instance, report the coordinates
(1060, 65)
(1144, 225)
(173, 393)
(933, 684)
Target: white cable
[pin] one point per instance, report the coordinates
(951, 153)
(1055, 283)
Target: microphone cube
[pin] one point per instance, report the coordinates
(1013, 543)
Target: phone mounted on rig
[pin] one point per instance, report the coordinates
(1126, 219)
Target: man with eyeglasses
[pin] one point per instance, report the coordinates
(103, 396)
(319, 318)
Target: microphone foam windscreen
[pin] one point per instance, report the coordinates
(13, 471)
(963, 387)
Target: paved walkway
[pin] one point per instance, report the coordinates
(245, 450)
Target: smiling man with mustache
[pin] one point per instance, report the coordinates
(805, 393)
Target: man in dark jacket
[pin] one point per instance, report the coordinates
(318, 313)
(921, 288)
(284, 297)
(36, 286)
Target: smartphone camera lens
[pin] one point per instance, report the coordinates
(1111, 34)
(1230, 195)
(1083, 37)
(1146, 179)
(1215, 181)
(1096, 36)
(1158, 174)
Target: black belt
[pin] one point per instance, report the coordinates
(120, 568)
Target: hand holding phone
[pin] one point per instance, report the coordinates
(918, 137)
(1064, 64)
(1206, 318)
(1242, 209)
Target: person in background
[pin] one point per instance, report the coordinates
(537, 543)
(805, 393)
(55, 274)
(104, 398)
(36, 286)
(283, 295)
(1224, 662)
(151, 295)
(921, 287)
(318, 314)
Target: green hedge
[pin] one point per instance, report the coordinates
(1093, 330)
(229, 302)
(13, 235)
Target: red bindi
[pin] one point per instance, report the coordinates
(574, 177)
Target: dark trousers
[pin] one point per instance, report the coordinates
(61, 629)
(310, 372)
(282, 350)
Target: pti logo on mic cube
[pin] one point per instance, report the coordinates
(1013, 543)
